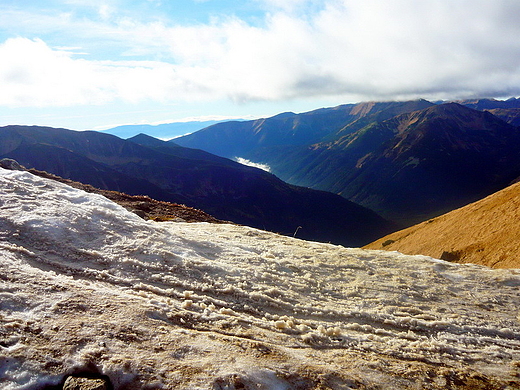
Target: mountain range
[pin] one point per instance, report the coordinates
(408, 161)
(162, 131)
(286, 130)
(95, 296)
(164, 171)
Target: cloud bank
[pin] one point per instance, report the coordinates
(354, 50)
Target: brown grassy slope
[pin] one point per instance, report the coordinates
(486, 232)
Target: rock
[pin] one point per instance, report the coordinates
(451, 256)
(387, 242)
(11, 164)
(79, 383)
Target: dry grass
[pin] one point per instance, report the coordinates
(486, 232)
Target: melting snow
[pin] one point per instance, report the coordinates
(87, 286)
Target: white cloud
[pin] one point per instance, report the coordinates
(286, 5)
(250, 163)
(105, 11)
(36, 75)
(355, 50)
(33, 74)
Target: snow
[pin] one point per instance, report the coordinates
(87, 286)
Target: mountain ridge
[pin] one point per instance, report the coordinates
(223, 188)
(161, 131)
(286, 129)
(364, 159)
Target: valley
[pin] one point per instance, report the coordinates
(223, 188)
(408, 161)
(138, 290)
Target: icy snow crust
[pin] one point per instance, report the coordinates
(86, 286)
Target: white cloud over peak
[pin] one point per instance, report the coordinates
(354, 50)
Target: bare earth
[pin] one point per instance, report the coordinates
(486, 232)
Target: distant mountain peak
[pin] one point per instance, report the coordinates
(146, 140)
(284, 115)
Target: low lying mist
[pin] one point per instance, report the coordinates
(250, 163)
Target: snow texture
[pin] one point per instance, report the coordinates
(86, 286)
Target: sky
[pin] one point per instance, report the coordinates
(101, 63)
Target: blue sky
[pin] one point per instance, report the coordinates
(98, 63)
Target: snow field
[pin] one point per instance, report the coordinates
(87, 285)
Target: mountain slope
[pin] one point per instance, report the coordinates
(507, 110)
(485, 232)
(408, 161)
(88, 288)
(417, 165)
(176, 150)
(263, 137)
(221, 187)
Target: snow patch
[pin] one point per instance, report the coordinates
(86, 285)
